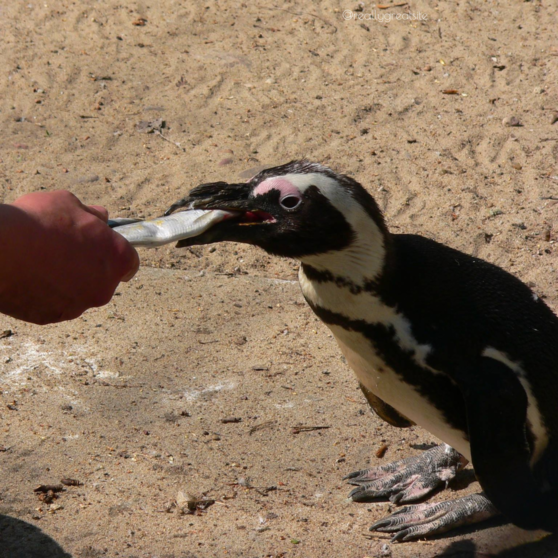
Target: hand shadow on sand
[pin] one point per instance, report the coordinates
(19, 539)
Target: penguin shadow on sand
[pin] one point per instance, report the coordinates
(19, 539)
(545, 548)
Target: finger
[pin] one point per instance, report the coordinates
(99, 211)
(125, 258)
(133, 266)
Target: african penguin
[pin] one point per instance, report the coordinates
(436, 337)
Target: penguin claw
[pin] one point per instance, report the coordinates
(421, 520)
(409, 479)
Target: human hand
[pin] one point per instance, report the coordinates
(58, 258)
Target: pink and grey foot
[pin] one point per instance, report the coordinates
(413, 479)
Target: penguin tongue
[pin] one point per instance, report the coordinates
(172, 228)
(256, 217)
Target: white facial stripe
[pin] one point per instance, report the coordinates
(329, 187)
(361, 261)
(533, 414)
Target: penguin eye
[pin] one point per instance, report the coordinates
(290, 202)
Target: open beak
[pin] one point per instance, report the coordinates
(228, 197)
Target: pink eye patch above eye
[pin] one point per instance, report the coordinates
(283, 185)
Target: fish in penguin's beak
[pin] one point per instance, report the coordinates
(229, 197)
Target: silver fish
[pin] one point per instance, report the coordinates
(171, 228)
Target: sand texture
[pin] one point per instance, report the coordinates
(193, 383)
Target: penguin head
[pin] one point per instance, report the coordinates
(301, 210)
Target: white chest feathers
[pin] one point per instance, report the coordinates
(371, 369)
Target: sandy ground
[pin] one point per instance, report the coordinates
(135, 399)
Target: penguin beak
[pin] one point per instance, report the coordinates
(214, 195)
(228, 197)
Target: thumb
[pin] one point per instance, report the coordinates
(99, 211)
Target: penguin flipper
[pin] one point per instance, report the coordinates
(385, 411)
(496, 404)
(421, 520)
(409, 479)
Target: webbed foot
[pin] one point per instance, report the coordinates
(407, 480)
(421, 520)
